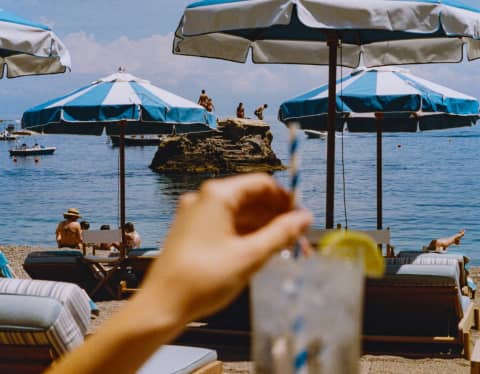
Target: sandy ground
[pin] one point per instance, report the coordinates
(369, 363)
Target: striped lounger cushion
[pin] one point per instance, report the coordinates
(75, 299)
(433, 259)
(37, 321)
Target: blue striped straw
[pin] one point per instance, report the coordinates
(294, 145)
(294, 161)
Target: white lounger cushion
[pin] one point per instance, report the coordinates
(176, 359)
(37, 320)
(75, 299)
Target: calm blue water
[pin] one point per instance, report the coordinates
(430, 187)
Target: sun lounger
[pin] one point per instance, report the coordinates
(35, 288)
(36, 330)
(34, 325)
(73, 267)
(39, 321)
(424, 258)
(475, 360)
(173, 359)
(418, 305)
(75, 300)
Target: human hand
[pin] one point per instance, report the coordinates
(221, 235)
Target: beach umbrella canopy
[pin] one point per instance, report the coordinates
(29, 48)
(381, 100)
(121, 104)
(381, 32)
(411, 103)
(121, 96)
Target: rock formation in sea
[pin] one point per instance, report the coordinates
(239, 145)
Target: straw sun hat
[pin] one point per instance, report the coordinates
(72, 213)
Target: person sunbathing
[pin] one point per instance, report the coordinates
(132, 240)
(441, 244)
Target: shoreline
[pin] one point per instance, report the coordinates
(368, 363)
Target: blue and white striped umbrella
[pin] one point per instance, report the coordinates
(406, 102)
(102, 104)
(409, 102)
(28, 48)
(384, 32)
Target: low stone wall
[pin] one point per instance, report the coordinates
(238, 146)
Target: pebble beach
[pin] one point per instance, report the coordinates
(369, 363)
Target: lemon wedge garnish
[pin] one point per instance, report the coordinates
(353, 245)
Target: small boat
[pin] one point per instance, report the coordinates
(36, 150)
(25, 133)
(315, 134)
(137, 140)
(7, 135)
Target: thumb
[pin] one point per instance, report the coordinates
(280, 233)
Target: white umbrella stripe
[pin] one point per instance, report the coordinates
(121, 93)
(387, 82)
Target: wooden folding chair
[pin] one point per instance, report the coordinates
(103, 269)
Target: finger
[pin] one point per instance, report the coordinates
(238, 190)
(280, 233)
(187, 199)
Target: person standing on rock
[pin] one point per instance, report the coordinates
(203, 99)
(240, 111)
(259, 111)
(210, 107)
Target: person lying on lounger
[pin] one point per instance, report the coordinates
(441, 244)
(201, 269)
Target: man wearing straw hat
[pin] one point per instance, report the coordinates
(69, 232)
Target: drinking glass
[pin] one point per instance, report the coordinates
(306, 315)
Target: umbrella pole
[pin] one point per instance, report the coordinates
(332, 42)
(122, 186)
(379, 118)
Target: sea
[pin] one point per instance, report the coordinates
(431, 183)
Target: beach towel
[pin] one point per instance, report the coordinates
(5, 270)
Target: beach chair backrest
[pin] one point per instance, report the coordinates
(101, 236)
(418, 303)
(379, 236)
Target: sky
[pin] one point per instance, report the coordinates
(103, 35)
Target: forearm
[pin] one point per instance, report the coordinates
(126, 341)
